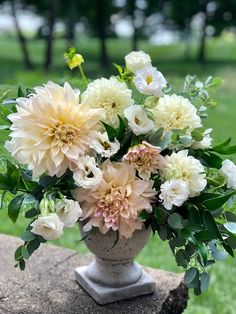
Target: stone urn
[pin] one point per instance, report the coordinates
(113, 275)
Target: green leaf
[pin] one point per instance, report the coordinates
(18, 254)
(204, 236)
(197, 135)
(210, 224)
(221, 146)
(230, 216)
(204, 281)
(33, 245)
(27, 236)
(153, 138)
(25, 254)
(121, 130)
(194, 216)
(163, 233)
(211, 160)
(217, 202)
(22, 264)
(180, 258)
(20, 92)
(32, 213)
(175, 221)
(119, 68)
(111, 132)
(14, 207)
(231, 241)
(190, 275)
(160, 215)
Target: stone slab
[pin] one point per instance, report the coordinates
(48, 286)
(104, 295)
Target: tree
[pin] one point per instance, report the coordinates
(21, 38)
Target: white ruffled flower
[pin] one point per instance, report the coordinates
(176, 112)
(101, 144)
(109, 94)
(137, 60)
(174, 192)
(50, 227)
(50, 128)
(149, 81)
(205, 143)
(228, 170)
(181, 166)
(86, 173)
(68, 211)
(138, 120)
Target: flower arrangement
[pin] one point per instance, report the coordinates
(124, 154)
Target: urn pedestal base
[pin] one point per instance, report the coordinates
(103, 294)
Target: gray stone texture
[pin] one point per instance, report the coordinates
(48, 286)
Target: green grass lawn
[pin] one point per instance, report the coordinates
(220, 297)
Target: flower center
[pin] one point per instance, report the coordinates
(65, 133)
(149, 79)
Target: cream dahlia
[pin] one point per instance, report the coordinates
(181, 166)
(50, 128)
(145, 158)
(109, 94)
(176, 112)
(115, 204)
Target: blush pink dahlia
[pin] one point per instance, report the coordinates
(145, 158)
(115, 204)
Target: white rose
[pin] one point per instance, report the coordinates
(49, 227)
(68, 211)
(228, 170)
(136, 60)
(174, 192)
(101, 144)
(86, 174)
(138, 120)
(205, 142)
(149, 81)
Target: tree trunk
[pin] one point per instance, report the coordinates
(71, 22)
(22, 41)
(102, 32)
(53, 10)
(202, 47)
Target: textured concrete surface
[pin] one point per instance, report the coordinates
(48, 286)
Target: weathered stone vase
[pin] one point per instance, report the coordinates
(113, 275)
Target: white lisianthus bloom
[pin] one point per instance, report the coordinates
(137, 60)
(205, 143)
(149, 81)
(86, 173)
(101, 144)
(181, 166)
(109, 94)
(176, 112)
(50, 128)
(68, 211)
(174, 192)
(138, 120)
(228, 170)
(50, 227)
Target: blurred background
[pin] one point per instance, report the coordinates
(182, 36)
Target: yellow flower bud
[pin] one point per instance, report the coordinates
(75, 61)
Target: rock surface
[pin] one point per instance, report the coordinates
(48, 286)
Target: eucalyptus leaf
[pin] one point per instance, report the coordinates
(175, 221)
(204, 280)
(190, 275)
(231, 227)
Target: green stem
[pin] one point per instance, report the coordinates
(83, 75)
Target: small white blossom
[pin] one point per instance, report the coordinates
(101, 144)
(228, 170)
(50, 227)
(149, 81)
(174, 192)
(87, 174)
(138, 120)
(137, 60)
(205, 143)
(68, 211)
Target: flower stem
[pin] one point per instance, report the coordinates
(83, 75)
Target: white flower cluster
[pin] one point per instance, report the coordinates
(50, 226)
